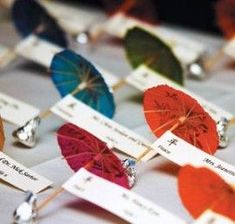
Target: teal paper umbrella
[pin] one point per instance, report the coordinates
(73, 74)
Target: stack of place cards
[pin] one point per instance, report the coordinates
(16, 111)
(128, 205)
(186, 50)
(21, 177)
(32, 48)
(107, 130)
(143, 78)
(209, 217)
(182, 153)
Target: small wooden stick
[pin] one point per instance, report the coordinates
(210, 62)
(119, 84)
(231, 122)
(45, 114)
(50, 198)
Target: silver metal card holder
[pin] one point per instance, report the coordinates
(222, 126)
(130, 166)
(26, 213)
(27, 134)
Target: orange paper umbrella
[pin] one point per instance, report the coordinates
(2, 137)
(166, 108)
(225, 13)
(201, 189)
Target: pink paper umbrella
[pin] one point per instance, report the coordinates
(82, 149)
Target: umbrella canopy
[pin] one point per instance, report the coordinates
(166, 108)
(2, 136)
(201, 189)
(225, 13)
(80, 148)
(30, 17)
(143, 47)
(73, 74)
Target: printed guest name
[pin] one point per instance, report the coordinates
(17, 169)
(219, 166)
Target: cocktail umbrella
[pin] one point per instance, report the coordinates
(144, 48)
(79, 148)
(2, 136)
(72, 74)
(166, 108)
(30, 17)
(83, 150)
(201, 189)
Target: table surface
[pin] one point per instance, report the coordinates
(157, 179)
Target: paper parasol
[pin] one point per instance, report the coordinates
(225, 13)
(30, 17)
(143, 47)
(2, 136)
(201, 189)
(73, 74)
(80, 148)
(166, 108)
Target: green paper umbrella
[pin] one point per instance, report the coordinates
(142, 47)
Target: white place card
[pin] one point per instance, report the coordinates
(143, 78)
(117, 200)
(16, 111)
(187, 50)
(107, 130)
(210, 217)
(42, 52)
(21, 177)
(182, 153)
(37, 50)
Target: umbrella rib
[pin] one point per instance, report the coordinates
(77, 154)
(64, 73)
(188, 114)
(69, 62)
(67, 137)
(162, 126)
(65, 83)
(156, 111)
(90, 81)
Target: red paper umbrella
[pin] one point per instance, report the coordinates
(201, 189)
(166, 108)
(82, 149)
(225, 13)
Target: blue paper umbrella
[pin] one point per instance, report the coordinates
(73, 74)
(30, 17)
